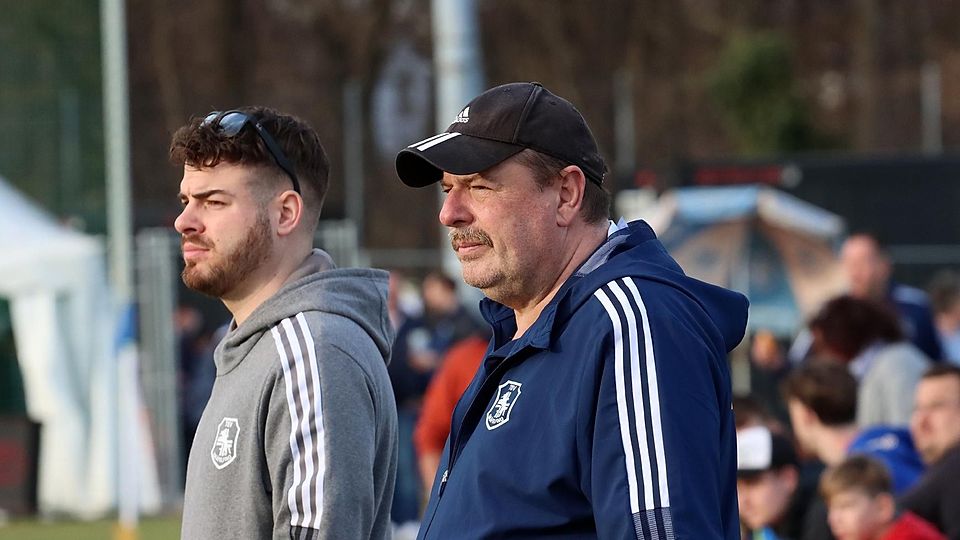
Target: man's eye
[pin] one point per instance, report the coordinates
(214, 203)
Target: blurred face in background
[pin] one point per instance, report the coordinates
(438, 296)
(765, 497)
(948, 320)
(867, 270)
(856, 515)
(935, 424)
(765, 350)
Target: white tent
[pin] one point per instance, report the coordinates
(65, 331)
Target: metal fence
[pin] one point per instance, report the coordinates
(156, 255)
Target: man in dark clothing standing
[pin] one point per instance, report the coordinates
(603, 406)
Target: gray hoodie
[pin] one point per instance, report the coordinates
(299, 438)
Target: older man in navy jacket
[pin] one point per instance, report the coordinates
(603, 405)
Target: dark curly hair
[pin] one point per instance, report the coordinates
(203, 146)
(848, 325)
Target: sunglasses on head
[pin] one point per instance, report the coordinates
(230, 123)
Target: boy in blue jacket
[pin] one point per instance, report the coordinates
(603, 405)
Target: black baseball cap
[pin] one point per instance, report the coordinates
(498, 124)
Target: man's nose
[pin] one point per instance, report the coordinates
(454, 212)
(187, 222)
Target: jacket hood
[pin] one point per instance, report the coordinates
(635, 251)
(358, 294)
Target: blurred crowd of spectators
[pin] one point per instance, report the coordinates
(438, 346)
(852, 430)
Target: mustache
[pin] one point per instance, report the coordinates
(459, 237)
(196, 240)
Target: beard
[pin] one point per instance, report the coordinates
(225, 273)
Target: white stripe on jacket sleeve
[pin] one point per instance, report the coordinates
(636, 395)
(621, 401)
(654, 395)
(629, 328)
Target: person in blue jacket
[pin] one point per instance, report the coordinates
(602, 408)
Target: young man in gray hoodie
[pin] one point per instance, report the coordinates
(299, 438)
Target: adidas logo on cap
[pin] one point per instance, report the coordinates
(463, 117)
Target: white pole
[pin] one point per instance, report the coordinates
(456, 57)
(119, 232)
(459, 78)
(116, 103)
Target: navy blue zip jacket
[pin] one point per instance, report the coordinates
(609, 418)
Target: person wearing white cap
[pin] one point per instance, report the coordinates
(768, 482)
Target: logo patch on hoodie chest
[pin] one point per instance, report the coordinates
(224, 449)
(507, 395)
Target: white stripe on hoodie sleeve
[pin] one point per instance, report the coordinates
(301, 378)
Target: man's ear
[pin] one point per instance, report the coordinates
(290, 204)
(572, 185)
(807, 416)
(886, 507)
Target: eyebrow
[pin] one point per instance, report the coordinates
(466, 179)
(204, 194)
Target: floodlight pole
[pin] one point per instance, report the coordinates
(459, 78)
(117, 143)
(120, 241)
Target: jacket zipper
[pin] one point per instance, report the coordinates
(492, 376)
(443, 483)
(455, 445)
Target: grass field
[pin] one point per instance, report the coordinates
(166, 528)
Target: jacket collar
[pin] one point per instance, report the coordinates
(502, 320)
